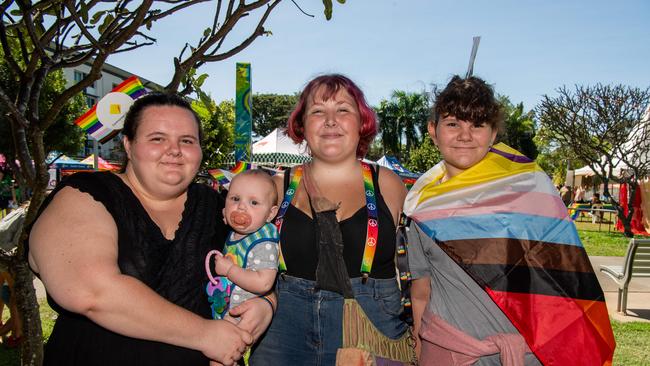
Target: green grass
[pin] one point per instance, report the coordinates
(11, 356)
(602, 243)
(632, 343)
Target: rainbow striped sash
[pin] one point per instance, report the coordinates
(503, 222)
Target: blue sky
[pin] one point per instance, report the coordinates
(528, 48)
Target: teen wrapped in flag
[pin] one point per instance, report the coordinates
(500, 275)
(503, 223)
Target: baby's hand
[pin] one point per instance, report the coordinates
(222, 265)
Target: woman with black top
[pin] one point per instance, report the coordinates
(338, 125)
(121, 255)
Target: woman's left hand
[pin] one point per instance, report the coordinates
(256, 315)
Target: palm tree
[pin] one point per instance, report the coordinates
(403, 121)
(519, 128)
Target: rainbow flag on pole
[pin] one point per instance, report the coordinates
(503, 223)
(89, 121)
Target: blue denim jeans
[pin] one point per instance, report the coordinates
(307, 328)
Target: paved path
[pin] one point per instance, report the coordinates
(638, 299)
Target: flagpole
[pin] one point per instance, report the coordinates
(95, 154)
(470, 68)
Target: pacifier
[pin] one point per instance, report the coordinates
(240, 219)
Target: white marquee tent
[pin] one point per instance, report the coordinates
(278, 149)
(278, 142)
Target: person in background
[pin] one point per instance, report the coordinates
(122, 255)
(13, 324)
(338, 125)
(579, 197)
(498, 269)
(596, 207)
(565, 194)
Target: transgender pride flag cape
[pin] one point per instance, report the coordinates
(504, 223)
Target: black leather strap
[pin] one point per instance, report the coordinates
(403, 268)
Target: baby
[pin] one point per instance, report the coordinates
(249, 264)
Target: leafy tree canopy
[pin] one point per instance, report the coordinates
(519, 126)
(403, 122)
(423, 157)
(271, 111)
(63, 136)
(217, 121)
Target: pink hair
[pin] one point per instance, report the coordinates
(331, 84)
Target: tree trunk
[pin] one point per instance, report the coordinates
(32, 347)
(627, 223)
(631, 192)
(620, 212)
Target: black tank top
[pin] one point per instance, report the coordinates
(300, 248)
(172, 268)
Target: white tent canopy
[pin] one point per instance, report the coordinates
(277, 149)
(278, 142)
(588, 172)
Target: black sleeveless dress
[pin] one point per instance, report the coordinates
(172, 268)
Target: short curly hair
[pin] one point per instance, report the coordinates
(470, 99)
(331, 84)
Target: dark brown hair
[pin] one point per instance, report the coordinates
(134, 115)
(470, 99)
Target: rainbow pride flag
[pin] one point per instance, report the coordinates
(224, 177)
(573, 214)
(89, 121)
(240, 166)
(503, 222)
(219, 176)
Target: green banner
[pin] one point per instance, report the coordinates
(243, 116)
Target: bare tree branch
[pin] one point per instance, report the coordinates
(183, 5)
(201, 53)
(31, 31)
(299, 8)
(82, 27)
(98, 63)
(9, 54)
(11, 108)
